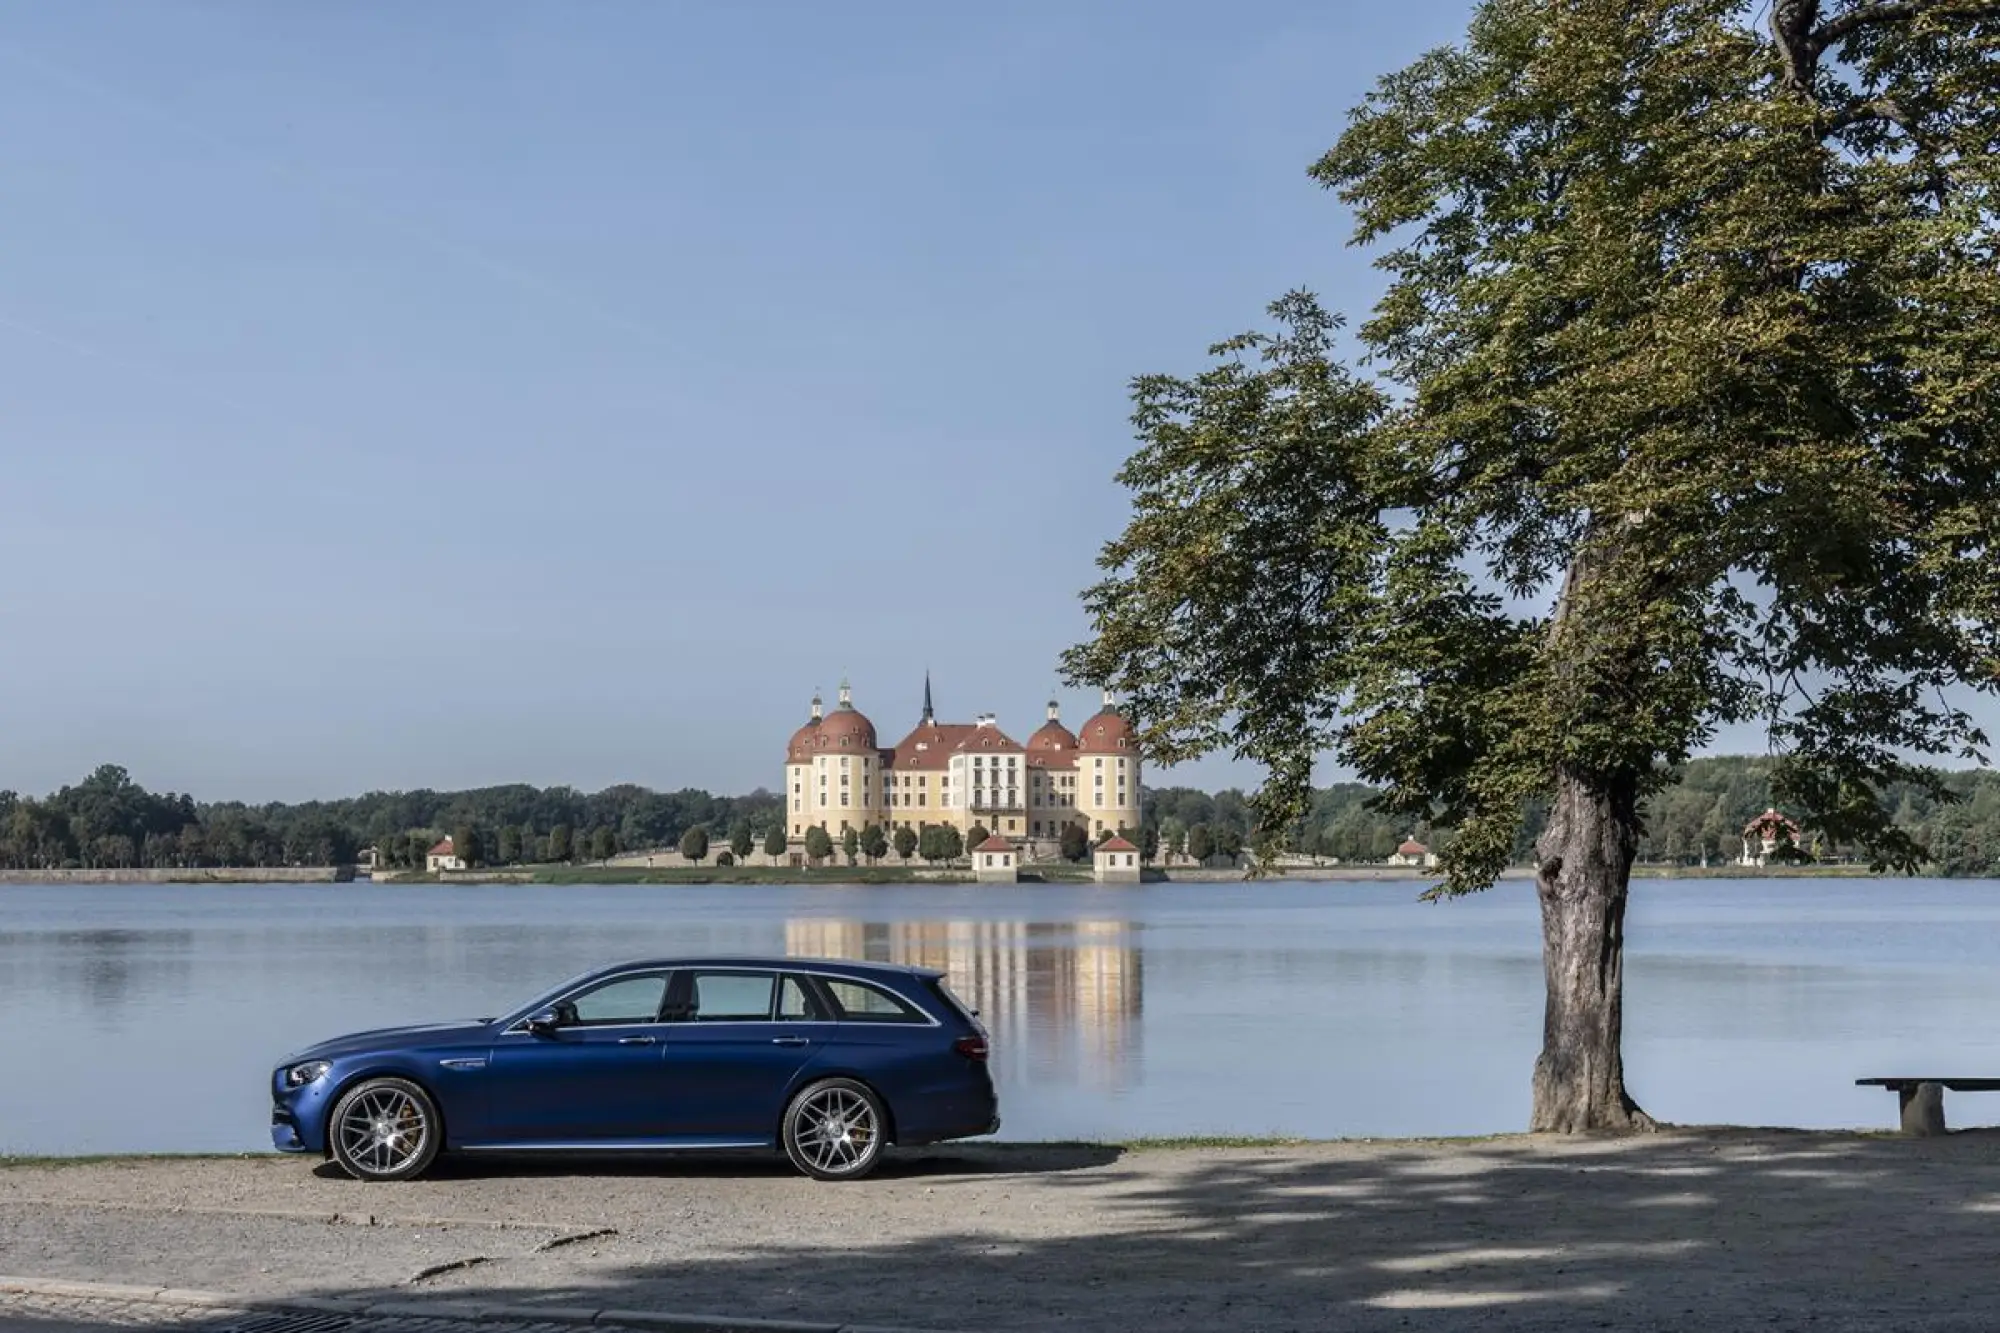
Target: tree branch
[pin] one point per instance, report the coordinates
(1885, 109)
(1893, 11)
(1792, 28)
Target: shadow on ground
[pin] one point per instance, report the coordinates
(1688, 1230)
(959, 1160)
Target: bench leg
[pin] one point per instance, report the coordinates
(1923, 1107)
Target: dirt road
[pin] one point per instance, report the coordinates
(1724, 1229)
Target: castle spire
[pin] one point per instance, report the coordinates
(846, 694)
(929, 715)
(817, 707)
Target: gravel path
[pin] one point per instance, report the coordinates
(1688, 1229)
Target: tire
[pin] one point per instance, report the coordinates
(385, 1129)
(836, 1129)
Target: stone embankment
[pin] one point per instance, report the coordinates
(1678, 1230)
(226, 875)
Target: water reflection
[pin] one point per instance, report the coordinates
(1063, 999)
(1168, 1009)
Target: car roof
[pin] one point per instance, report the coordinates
(839, 966)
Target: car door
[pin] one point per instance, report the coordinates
(596, 1080)
(735, 1040)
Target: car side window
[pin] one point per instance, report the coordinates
(797, 1003)
(862, 1003)
(624, 1000)
(732, 997)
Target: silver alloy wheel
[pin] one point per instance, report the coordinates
(383, 1130)
(835, 1131)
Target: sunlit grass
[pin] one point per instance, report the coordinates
(8, 1160)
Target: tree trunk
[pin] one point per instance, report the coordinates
(1583, 865)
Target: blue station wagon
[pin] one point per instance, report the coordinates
(830, 1061)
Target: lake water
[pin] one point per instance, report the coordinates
(147, 1018)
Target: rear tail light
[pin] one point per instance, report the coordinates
(972, 1048)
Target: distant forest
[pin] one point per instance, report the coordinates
(110, 821)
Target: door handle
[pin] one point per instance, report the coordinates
(635, 1041)
(789, 1041)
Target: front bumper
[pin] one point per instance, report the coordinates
(284, 1133)
(298, 1115)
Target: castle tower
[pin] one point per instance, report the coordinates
(1107, 771)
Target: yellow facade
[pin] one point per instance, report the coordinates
(838, 776)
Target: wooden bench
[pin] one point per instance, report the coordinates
(1922, 1099)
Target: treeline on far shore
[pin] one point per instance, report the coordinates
(109, 821)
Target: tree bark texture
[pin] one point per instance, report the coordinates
(1583, 867)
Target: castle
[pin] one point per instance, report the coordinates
(962, 774)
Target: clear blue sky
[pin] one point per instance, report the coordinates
(435, 395)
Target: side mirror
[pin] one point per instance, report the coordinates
(542, 1023)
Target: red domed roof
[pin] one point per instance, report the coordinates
(1052, 735)
(1105, 732)
(845, 728)
(799, 748)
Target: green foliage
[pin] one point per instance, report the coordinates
(850, 843)
(1075, 843)
(775, 844)
(742, 841)
(509, 847)
(1200, 844)
(603, 843)
(874, 843)
(694, 843)
(977, 834)
(1149, 843)
(819, 844)
(940, 842)
(108, 820)
(906, 842)
(466, 847)
(1681, 417)
(725, 858)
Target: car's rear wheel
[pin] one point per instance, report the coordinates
(385, 1129)
(835, 1130)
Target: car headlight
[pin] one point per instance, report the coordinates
(309, 1072)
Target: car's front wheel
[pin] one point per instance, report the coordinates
(835, 1130)
(385, 1129)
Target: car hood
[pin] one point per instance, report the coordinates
(385, 1039)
